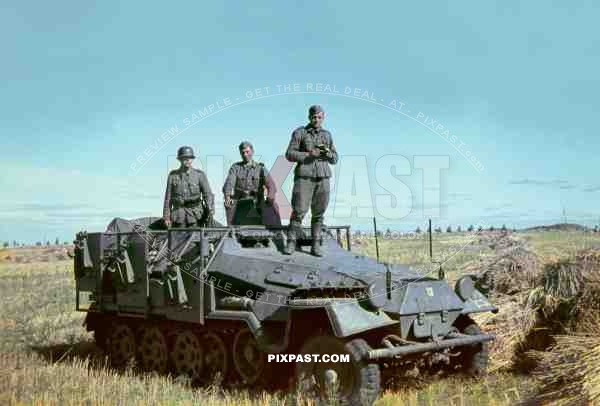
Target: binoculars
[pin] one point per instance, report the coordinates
(323, 148)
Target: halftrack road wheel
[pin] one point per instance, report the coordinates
(249, 362)
(152, 350)
(347, 383)
(121, 346)
(187, 355)
(473, 359)
(215, 358)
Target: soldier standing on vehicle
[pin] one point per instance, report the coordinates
(312, 148)
(247, 180)
(189, 202)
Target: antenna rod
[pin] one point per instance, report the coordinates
(430, 243)
(376, 242)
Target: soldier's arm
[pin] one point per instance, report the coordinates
(230, 180)
(270, 184)
(208, 195)
(293, 153)
(167, 201)
(332, 155)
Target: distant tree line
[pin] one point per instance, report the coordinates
(470, 228)
(16, 244)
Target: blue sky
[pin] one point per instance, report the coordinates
(87, 88)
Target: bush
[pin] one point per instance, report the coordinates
(449, 229)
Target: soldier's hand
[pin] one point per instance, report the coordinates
(228, 201)
(167, 222)
(316, 152)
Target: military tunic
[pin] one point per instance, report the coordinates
(311, 174)
(246, 180)
(187, 197)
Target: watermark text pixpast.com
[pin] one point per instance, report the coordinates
(308, 358)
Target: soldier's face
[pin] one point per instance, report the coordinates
(246, 154)
(317, 119)
(187, 162)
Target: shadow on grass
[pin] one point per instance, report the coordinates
(88, 353)
(83, 351)
(434, 387)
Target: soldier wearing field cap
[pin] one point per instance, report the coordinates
(312, 148)
(189, 202)
(247, 180)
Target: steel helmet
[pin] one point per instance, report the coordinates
(185, 152)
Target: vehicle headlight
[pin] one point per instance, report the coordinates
(465, 287)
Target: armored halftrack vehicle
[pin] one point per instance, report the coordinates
(225, 299)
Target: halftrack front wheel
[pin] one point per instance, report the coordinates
(215, 360)
(187, 355)
(356, 382)
(121, 346)
(152, 350)
(473, 359)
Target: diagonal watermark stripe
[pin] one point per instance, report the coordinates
(393, 106)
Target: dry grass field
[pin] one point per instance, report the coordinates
(47, 357)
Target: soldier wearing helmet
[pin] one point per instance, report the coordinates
(312, 148)
(247, 181)
(189, 202)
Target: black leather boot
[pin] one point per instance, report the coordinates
(316, 248)
(291, 241)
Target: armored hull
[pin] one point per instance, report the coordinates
(227, 300)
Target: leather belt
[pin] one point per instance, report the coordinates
(243, 194)
(189, 203)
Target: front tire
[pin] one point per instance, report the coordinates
(346, 383)
(473, 359)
